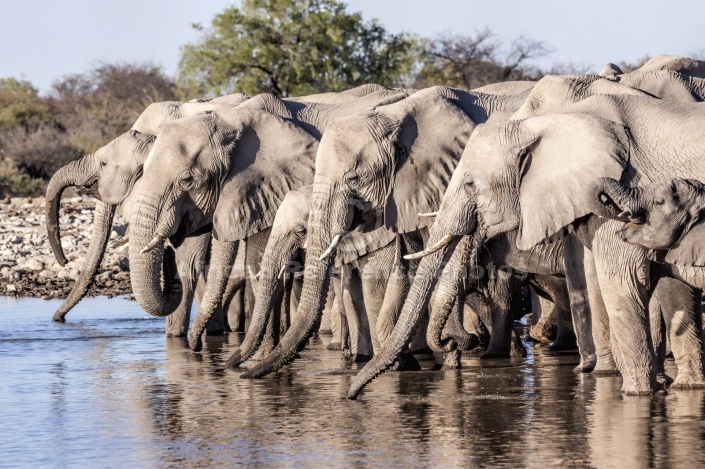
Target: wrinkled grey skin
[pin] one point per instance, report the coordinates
(110, 174)
(519, 140)
(392, 161)
(665, 217)
(229, 168)
(372, 295)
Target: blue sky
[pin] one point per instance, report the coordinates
(45, 39)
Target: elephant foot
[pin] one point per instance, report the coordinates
(664, 379)
(362, 358)
(517, 350)
(347, 353)
(543, 332)
(325, 332)
(686, 381)
(585, 366)
(406, 362)
(58, 318)
(605, 368)
(641, 388)
(177, 333)
(334, 346)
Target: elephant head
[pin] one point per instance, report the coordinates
(664, 215)
(229, 169)
(380, 167)
(110, 174)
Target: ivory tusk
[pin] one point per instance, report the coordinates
(430, 214)
(430, 250)
(281, 271)
(156, 241)
(120, 243)
(257, 275)
(333, 246)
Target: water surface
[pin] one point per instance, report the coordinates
(108, 389)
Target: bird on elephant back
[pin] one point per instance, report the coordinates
(229, 171)
(113, 175)
(530, 175)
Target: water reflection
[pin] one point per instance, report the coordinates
(109, 388)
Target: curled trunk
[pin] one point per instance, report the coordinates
(612, 200)
(100, 235)
(416, 302)
(77, 173)
(148, 268)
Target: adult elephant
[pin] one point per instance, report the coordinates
(392, 161)
(505, 172)
(230, 169)
(110, 174)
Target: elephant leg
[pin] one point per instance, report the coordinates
(340, 323)
(658, 337)
(556, 289)
(375, 270)
(190, 260)
(542, 312)
(574, 266)
(605, 364)
(623, 276)
(502, 288)
(295, 297)
(681, 307)
(327, 319)
(234, 296)
(472, 320)
(359, 329)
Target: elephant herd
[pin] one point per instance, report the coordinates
(403, 220)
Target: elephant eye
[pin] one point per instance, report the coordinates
(300, 230)
(186, 182)
(469, 183)
(660, 201)
(353, 179)
(103, 163)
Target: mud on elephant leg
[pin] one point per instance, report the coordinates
(680, 305)
(605, 364)
(623, 276)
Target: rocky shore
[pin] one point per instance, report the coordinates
(27, 265)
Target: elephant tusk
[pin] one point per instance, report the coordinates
(120, 243)
(430, 214)
(625, 214)
(333, 246)
(156, 241)
(257, 275)
(430, 250)
(281, 271)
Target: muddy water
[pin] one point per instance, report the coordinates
(107, 389)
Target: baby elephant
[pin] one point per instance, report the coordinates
(664, 215)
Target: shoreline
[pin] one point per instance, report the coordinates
(27, 265)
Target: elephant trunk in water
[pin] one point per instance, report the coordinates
(442, 307)
(269, 294)
(100, 235)
(416, 302)
(313, 295)
(81, 172)
(148, 267)
(613, 200)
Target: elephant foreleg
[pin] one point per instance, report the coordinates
(359, 329)
(502, 289)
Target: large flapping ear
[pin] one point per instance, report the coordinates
(269, 157)
(690, 249)
(561, 155)
(428, 143)
(358, 243)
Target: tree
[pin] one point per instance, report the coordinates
(471, 61)
(292, 47)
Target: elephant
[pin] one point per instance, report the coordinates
(371, 298)
(391, 163)
(506, 169)
(228, 170)
(665, 218)
(110, 174)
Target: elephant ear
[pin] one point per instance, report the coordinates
(561, 155)
(269, 157)
(690, 249)
(429, 141)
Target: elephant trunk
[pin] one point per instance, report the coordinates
(269, 294)
(447, 290)
(311, 304)
(100, 235)
(148, 268)
(416, 302)
(77, 173)
(610, 199)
